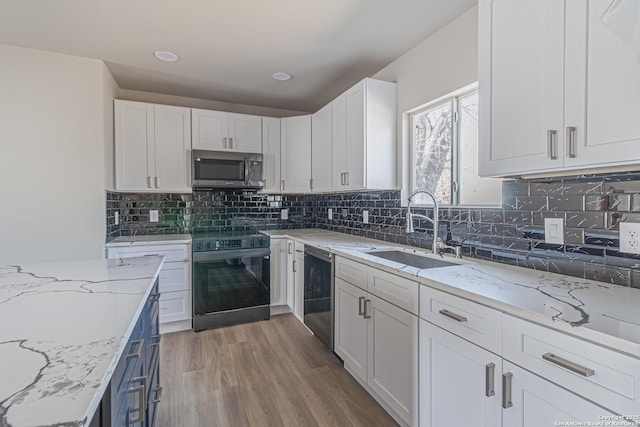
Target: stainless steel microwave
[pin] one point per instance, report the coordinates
(219, 169)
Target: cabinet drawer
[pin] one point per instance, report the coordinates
(394, 289)
(479, 324)
(174, 277)
(172, 253)
(351, 271)
(604, 376)
(175, 306)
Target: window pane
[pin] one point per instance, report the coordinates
(433, 153)
(473, 189)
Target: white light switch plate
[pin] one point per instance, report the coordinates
(153, 215)
(330, 213)
(365, 217)
(630, 237)
(284, 214)
(554, 230)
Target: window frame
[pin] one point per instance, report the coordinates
(453, 99)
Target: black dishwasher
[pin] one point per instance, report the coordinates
(318, 294)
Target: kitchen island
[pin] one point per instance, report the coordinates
(64, 329)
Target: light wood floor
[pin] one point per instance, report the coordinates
(270, 373)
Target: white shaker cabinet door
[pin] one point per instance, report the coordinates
(340, 148)
(350, 335)
(172, 148)
(296, 154)
(521, 57)
(278, 265)
(210, 129)
(321, 149)
(603, 57)
(534, 402)
(356, 136)
(271, 154)
(245, 133)
(460, 383)
(134, 150)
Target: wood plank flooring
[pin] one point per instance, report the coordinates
(269, 373)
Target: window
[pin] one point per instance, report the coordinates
(444, 142)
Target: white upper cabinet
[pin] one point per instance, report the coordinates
(559, 87)
(364, 137)
(152, 147)
(221, 131)
(271, 154)
(295, 165)
(321, 149)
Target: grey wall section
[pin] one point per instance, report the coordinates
(591, 206)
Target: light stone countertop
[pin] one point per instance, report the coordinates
(599, 312)
(63, 329)
(149, 239)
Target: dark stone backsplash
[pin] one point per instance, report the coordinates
(591, 205)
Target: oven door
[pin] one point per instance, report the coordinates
(230, 280)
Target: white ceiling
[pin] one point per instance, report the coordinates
(229, 49)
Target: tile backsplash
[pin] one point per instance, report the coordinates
(591, 205)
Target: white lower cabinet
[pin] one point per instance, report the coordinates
(459, 381)
(298, 281)
(278, 275)
(536, 402)
(174, 281)
(378, 343)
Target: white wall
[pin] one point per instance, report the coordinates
(442, 63)
(53, 127)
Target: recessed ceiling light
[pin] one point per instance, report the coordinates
(165, 55)
(281, 76)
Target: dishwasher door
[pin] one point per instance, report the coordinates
(318, 294)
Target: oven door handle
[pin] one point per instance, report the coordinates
(226, 254)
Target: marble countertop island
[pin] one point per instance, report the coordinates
(600, 312)
(63, 328)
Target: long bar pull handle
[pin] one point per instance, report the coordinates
(490, 370)
(142, 393)
(567, 364)
(552, 144)
(452, 315)
(360, 306)
(290, 250)
(157, 182)
(294, 266)
(158, 392)
(137, 354)
(224, 142)
(282, 185)
(231, 143)
(365, 315)
(149, 182)
(571, 142)
(346, 178)
(506, 390)
(310, 183)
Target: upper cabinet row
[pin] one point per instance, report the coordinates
(559, 86)
(349, 144)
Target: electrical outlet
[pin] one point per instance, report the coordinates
(116, 217)
(365, 217)
(330, 213)
(630, 237)
(554, 230)
(284, 214)
(153, 215)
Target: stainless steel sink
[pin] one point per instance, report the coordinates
(412, 260)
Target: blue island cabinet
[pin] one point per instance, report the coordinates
(134, 390)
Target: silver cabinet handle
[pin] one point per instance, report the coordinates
(571, 142)
(137, 354)
(294, 266)
(346, 178)
(552, 144)
(452, 315)
(290, 248)
(231, 143)
(149, 182)
(142, 393)
(155, 297)
(157, 182)
(224, 142)
(311, 183)
(506, 390)
(156, 340)
(567, 364)
(489, 374)
(158, 392)
(282, 185)
(360, 306)
(365, 315)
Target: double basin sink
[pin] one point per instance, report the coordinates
(410, 259)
